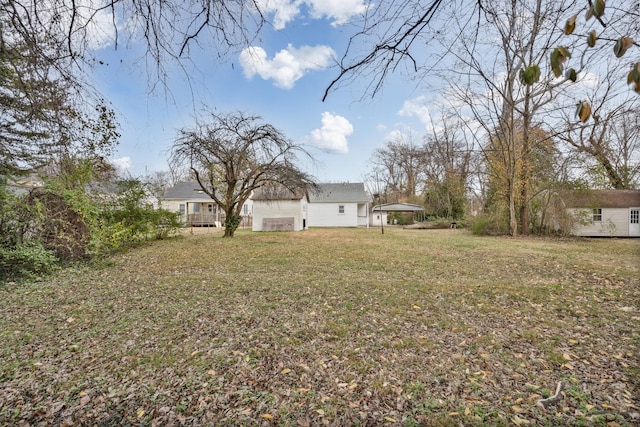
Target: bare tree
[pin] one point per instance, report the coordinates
(65, 33)
(231, 155)
(611, 143)
(448, 161)
(391, 37)
(398, 164)
(490, 60)
(46, 46)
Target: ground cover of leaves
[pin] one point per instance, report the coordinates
(329, 327)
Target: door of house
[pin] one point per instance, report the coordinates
(634, 222)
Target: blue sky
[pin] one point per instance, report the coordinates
(282, 79)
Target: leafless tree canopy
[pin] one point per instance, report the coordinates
(392, 33)
(64, 32)
(232, 155)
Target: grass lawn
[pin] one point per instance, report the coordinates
(334, 327)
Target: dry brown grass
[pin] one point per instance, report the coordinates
(335, 327)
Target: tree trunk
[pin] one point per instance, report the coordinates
(231, 222)
(513, 220)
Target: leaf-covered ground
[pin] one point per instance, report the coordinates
(333, 327)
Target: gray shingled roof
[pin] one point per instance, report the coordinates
(341, 192)
(601, 198)
(186, 190)
(277, 193)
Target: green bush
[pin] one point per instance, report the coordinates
(125, 219)
(489, 225)
(401, 218)
(165, 223)
(26, 261)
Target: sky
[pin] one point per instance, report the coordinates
(281, 78)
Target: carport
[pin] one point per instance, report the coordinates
(379, 213)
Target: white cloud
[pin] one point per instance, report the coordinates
(416, 107)
(123, 164)
(395, 135)
(287, 66)
(332, 136)
(340, 10)
(285, 11)
(101, 29)
(588, 80)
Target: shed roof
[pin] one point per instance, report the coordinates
(340, 192)
(277, 193)
(186, 191)
(601, 198)
(398, 207)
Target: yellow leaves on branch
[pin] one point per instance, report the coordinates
(530, 75)
(634, 77)
(596, 9)
(621, 46)
(570, 25)
(558, 57)
(591, 38)
(583, 111)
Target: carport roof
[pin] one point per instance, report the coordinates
(398, 207)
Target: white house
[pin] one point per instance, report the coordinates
(605, 213)
(279, 210)
(196, 207)
(339, 205)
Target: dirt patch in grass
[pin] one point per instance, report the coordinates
(333, 327)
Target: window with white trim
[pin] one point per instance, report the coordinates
(196, 207)
(182, 208)
(635, 216)
(341, 209)
(597, 215)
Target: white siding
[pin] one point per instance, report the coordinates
(376, 220)
(363, 214)
(328, 215)
(278, 209)
(615, 223)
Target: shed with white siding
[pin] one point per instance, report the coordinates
(279, 209)
(604, 213)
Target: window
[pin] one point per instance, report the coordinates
(341, 209)
(635, 216)
(597, 215)
(245, 209)
(196, 207)
(182, 209)
(210, 208)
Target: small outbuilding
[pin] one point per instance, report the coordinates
(279, 209)
(595, 213)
